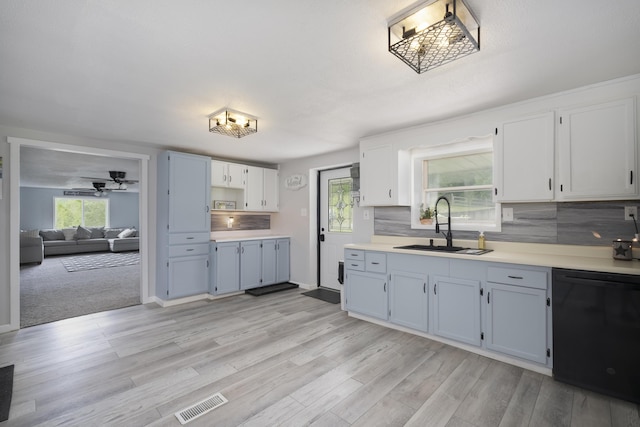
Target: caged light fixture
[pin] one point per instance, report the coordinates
(232, 123)
(433, 33)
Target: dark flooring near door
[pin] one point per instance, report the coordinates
(326, 295)
(6, 390)
(48, 292)
(281, 360)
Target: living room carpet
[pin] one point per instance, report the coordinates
(101, 260)
(48, 292)
(6, 391)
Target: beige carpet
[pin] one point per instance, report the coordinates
(49, 293)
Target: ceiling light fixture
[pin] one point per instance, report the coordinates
(433, 33)
(232, 123)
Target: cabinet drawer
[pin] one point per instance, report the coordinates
(185, 250)
(516, 276)
(354, 264)
(376, 262)
(183, 238)
(354, 254)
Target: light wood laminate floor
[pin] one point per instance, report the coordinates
(281, 359)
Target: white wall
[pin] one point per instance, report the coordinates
(301, 228)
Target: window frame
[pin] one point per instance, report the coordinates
(83, 199)
(466, 146)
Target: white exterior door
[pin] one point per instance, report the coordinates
(336, 223)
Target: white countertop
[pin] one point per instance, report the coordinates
(244, 237)
(593, 258)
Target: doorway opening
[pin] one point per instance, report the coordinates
(141, 164)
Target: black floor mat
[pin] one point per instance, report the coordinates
(6, 390)
(256, 292)
(325, 295)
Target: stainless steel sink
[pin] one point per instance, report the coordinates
(451, 249)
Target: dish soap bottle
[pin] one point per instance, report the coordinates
(481, 240)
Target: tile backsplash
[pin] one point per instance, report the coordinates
(241, 221)
(572, 223)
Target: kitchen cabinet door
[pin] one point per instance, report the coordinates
(597, 152)
(516, 321)
(226, 273)
(254, 192)
(456, 309)
(385, 177)
(408, 300)
(282, 263)
(269, 262)
(525, 159)
(225, 174)
(250, 264)
(366, 293)
(270, 191)
(189, 193)
(261, 189)
(188, 275)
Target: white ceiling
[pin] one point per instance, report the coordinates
(316, 73)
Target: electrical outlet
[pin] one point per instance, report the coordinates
(629, 211)
(507, 214)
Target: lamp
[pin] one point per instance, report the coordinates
(433, 33)
(232, 123)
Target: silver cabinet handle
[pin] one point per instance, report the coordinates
(434, 288)
(515, 277)
(190, 250)
(375, 263)
(190, 238)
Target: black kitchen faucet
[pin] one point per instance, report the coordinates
(448, 236)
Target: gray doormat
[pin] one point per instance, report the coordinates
(256, 292)
(6, 391)
(101, 260)
(325, 295)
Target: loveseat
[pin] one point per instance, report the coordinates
(76, 240)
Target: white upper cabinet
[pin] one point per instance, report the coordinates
(597, 152)
(261, 190)
(525, 159)
(229, 175)
(385, 176)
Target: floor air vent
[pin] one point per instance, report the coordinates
(200, 408)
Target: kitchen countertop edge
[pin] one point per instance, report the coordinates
(592, 259)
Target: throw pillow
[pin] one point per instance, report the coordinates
(96, 232)
(69, 233)
(127, 232)
(112, 233)
(29, 233)
(83, 233)
(52, 234)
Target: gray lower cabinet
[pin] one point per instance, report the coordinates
(456, 309)
(269, 262)
(188, 275)
(408, 300)
(366, 293)
(250, 264)
(225, 260)
(366, 283)
(517, 313)
(247, 264)
(283, 267)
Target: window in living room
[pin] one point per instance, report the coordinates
(83, 211)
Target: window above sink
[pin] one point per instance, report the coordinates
(463, 172)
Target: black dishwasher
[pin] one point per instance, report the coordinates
(596, 331)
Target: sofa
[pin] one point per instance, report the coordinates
(76, 240)
(31, 248)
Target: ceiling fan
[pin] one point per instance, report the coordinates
(99, 190)
(118, 177)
